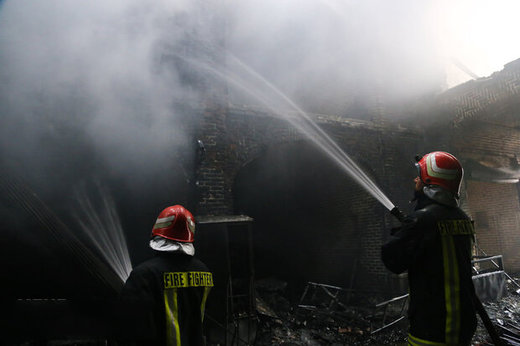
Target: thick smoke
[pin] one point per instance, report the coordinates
(105, 94)
(111, 87)
(89, 95)
(343, 57)
(92, 73)
(106, 78)
(337, 56)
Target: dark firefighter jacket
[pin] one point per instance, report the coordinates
(174, 288)
(435, 247)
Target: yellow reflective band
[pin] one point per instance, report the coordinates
(414, 341)
(188, 279)
(176, 316)
(203, 303)
(455, 227)
(451, 290)
(173, 335)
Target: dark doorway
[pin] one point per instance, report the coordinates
(306, 216)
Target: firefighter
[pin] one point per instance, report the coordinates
(434, 245)
(174, 284)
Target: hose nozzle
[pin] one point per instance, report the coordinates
(398, 214)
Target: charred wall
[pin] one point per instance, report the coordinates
(312, 221)
(495, 209)
(479, 122)
(257, 164)
(490, 156)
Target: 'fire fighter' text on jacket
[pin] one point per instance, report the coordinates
(176, 287)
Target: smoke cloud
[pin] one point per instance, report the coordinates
(110, 91)
(336, 56)
(103, 85)
(90, 72)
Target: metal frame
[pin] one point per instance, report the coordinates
(331, 291)
(384, 305)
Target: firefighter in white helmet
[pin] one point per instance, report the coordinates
(173, 282)
(434, 245)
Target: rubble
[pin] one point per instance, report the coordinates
(324, 319)
(505, 315)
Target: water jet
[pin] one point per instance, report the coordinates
(298, 118)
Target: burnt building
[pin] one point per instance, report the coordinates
(255, 163)
(479, 121)
(314, 222)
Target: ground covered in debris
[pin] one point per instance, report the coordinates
(505, 315)
(323, 318)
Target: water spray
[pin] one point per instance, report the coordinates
(20, 196)
(303, 123)
(100, 222)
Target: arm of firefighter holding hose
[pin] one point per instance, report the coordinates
(404, 242)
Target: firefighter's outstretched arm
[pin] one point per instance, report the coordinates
(399, 250)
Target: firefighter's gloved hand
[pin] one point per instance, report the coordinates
(395, 230)
(398, 214)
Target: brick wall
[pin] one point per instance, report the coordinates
(486, 133)
(481, 122)
(234, 136)
(496, 211)
(473, 99)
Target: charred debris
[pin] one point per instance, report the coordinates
(330, 315)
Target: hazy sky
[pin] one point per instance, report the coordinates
(479, 33)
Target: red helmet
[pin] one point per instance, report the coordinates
(442, 169)
(175, 223)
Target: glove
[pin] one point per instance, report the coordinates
(395, 230)
(398, 214)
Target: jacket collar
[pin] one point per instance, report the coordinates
(434, 194)
(440, 195)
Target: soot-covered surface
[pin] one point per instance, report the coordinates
(308, 216)
(283, 323)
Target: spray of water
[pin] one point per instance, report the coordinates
(101, 224)
(310, 129)
(301, 121)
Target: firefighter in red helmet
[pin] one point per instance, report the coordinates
(174, 284)
(434, 245)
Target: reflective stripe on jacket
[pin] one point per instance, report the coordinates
(175, 288)
(435, 248)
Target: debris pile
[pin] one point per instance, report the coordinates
(328, 315)
(322, 317)
(505, 314)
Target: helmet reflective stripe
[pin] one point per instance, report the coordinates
(164, 222)
(436, 171)
(165, 219)
(442, 169)
(175, 223)
(191, 224)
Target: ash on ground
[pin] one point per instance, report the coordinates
(328, 315)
